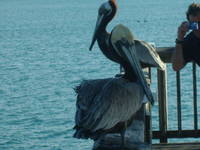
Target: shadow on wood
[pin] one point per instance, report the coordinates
(134, 137)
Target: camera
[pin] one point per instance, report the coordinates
(193, 26)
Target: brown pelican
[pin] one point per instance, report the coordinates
(120, 46)
(108, 105)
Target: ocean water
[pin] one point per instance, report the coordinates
(44, 55)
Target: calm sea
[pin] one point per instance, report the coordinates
(44, 54)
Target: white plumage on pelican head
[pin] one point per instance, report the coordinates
(145, 52)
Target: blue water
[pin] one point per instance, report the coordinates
(44, 54)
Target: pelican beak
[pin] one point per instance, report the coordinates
(130, 53)
(98, 24)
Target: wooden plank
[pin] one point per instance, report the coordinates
(148, 124)
(176, 146)
(134, 137)
(177, 134)
(113, 142)
(178, 91)
(162, 101)
(195, 106)
(165, 53)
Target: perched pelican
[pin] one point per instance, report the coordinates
(120, 46)
(108, 105)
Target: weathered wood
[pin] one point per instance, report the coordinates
(148, 124)
(163, 133)
(177, 146)
(177, 134)
(194, 76)
(165, 53)
(134, 137)
(162, 101)
(178, 91)
(112, 142)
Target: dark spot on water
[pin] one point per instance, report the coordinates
(2, 92)
(57, 93)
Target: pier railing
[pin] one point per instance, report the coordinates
(163, 134)
(140, 132)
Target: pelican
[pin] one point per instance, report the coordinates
(120, 46)
(108, 105)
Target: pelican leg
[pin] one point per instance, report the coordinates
(123, 140)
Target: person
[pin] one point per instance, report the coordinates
(187, 47)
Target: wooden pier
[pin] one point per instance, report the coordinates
(140, 133)
(164, 134)
(177, 146)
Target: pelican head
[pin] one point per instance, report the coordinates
(106, 13)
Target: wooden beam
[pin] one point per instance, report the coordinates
(162, 101)
(165, 53)
(176, 146)
(177, 134)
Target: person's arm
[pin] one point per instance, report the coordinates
(178, 61)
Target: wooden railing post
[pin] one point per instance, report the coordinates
(148, 124)
(179, 115)
(162, 100)
(148, 119)
(195, 96)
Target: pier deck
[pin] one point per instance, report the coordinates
(176, 146)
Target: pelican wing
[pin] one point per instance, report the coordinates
(147, 55)
(123, 43)
(87, 91)
(117, 102)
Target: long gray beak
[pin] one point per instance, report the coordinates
(130, 53)
(98, 24)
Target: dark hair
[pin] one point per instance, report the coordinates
(193, 9)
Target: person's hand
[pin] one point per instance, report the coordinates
(182, 30)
